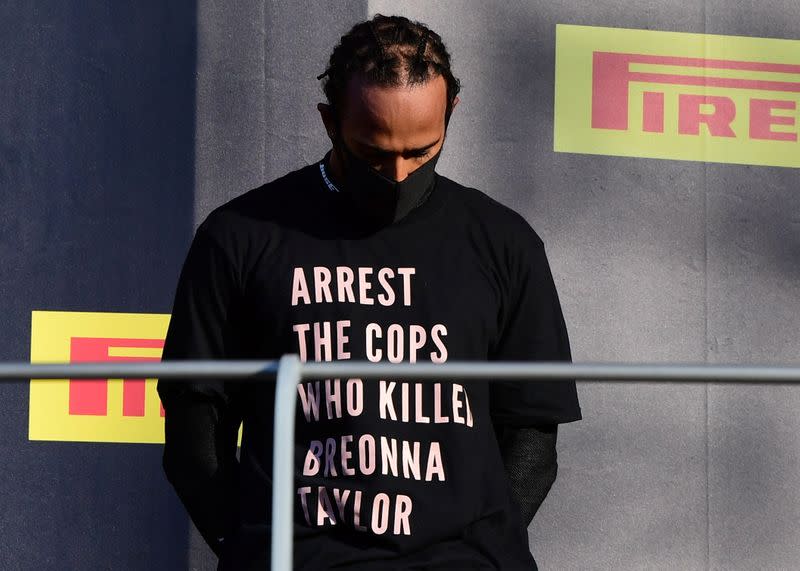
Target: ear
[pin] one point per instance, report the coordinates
(449, 115)
(326, 113)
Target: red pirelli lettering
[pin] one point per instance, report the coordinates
(691, 115)
(762, 120)
(90, 396)
(653, 116)
(612, 76)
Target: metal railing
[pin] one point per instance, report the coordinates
(290, 371)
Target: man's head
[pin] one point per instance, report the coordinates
(390, 94)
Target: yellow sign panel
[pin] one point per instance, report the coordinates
(697, 97)
(112, 410)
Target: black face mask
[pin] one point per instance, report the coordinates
(382, 200)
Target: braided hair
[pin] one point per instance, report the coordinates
(389, 51)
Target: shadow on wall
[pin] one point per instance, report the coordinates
(755, 217)
(752, 477)
(693, 248)
(96, 187)
(513, 86)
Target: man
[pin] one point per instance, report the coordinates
(369, 254)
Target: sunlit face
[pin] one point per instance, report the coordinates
(394, 129)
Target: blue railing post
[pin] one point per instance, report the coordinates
(289, 371)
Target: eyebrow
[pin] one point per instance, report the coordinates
(380, 150)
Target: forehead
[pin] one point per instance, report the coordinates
(394, 117)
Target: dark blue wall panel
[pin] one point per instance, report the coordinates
(96, 211)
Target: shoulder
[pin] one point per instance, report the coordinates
(267, 202)
(245, 226)
(480, 209)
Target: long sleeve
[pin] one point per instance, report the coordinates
(530, 459)
(202, 417)
(526, 414)
(200, 462)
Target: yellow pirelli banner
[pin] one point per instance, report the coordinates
(668, 95)
(104, 410)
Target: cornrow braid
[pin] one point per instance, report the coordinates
(389, 51)
(378, 41)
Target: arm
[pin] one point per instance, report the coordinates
(532, 329)
(200, 463)
(529, 456)
(202, 417)
(526, 414)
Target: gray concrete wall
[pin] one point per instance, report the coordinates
(257, 91)
(655, 261)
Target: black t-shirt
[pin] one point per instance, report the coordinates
(390, 473)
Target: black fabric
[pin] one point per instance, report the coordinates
(380, 199)
(390, 473)
(200, 463)
(531, 462)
